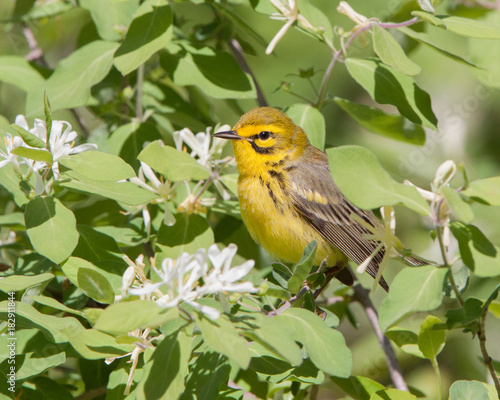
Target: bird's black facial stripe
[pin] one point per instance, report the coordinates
(261, 150)
(262, 136)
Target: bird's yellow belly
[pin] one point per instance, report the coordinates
(277, 226)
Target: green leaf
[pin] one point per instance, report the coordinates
(491, 297)
(311, 121)
(358, 387)
(46, 10)
(53, 303)
(388, 86)
(51, 228)
(17, 188)
(303, 268)
(466, 316)
(326, 346)
(468, 390)
(164, 375)
(217, 74)
(271, 335)
(486, 190)
(405, 339)
(207, 386)
(95, 285)
(426, 39)
(29, 138)
(389, 125)
(426, 5)
(98, 166)
(123, 192)
(391, 53)
(69, 86)
(188, 234)
(173, 164)
(12, 67)
(478, 253)
(392, 394)
(97, 247)
(120, 318)
(413, 290)
(17, 283)
(14, 220)
(431, 340)
(426, 17)
(89, 343)
(277, 291)
(33, 154)
(149, 32)
(32, 364)
(471, 28)
(459, 207)
(221, 336)
(109, 14)
(111, 270)
(48, 116)
(486, 53)
(363, 181)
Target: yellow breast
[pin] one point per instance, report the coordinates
(272, 221)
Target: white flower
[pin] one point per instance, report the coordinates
(206, 149)
(205, 153)
(164, 191)
(224, 278)
(10, 144)
(189, 278)
(289, 11)
(61, 141)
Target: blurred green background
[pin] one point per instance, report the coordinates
(468, 111)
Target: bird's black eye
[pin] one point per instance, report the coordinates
(264, 135)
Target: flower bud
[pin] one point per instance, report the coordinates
(444, 174)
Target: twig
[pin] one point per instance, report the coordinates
(354, 35)
(287, 304)
(81, 122)
(237, 51)
(487, 359)
(361, 295)
(36, 53)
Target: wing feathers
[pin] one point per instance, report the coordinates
(333, 219)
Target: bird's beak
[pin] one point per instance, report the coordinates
(231, 135)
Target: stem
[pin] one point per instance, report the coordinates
(336, 55)
(486, 357)
(438, 375)
(392, 362)
(138, 98)
(36, 53)
(237, 51)
(81, 122)
(287, 304)
(458, 295)
(391, 25)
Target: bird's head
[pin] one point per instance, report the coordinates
(264, 136)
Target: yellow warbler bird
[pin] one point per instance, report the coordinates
(288, 197)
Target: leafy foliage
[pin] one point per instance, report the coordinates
(190, 317)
